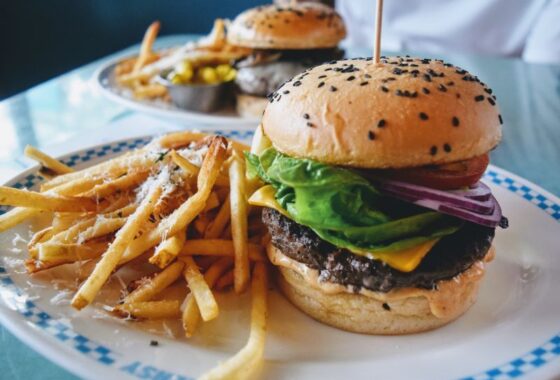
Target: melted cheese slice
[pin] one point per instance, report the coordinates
(405, 260)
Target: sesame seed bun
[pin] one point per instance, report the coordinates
(298, 26)
(404, 112)
(401, 311)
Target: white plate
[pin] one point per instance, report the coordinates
(513, 329)
(104, 80)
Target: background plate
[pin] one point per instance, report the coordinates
(513, 329)
(104, 81)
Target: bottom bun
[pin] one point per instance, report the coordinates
(401, 311)
(251, 106)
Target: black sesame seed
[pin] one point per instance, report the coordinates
(451, 83)
(310, 124)
(321, 84)
(321, 76)
(154, 343)
(491, 101)
(351, 77)
(427, 77)
(442, 88)
(333, 88)
(447, 148)
(306, 116)
(455, 121)
(500, 118)
(488, 90)
(364, 83)
(297, 83)
(433, 150)
(425, 90)
(479, 98)
(397, 71)
(384, 89)
(423, 116)
(386, 307)
(381, 123)
(285, 92)
(367, 76)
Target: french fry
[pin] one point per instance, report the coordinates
(16, 216)
(146, 47)
(200, 223)
(161, 281)
(247, 361)
(110, 259)
(168, 250)
(152, 90)
(216, 227)
(46, 160)
(191, 170)
(149, 310)
(122, 183)
(225, 281)
(205, 300)
(219, 247)
(109, 169)
(238, 199)
(188, 210)
(176, 140)
(121, 212)
(68, 253)
(50, 202)
(212, 202)
(101, 227)
(40, 236)
(69, 235)
(191, 314)
(64, 220)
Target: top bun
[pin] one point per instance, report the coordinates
(298, 26)
(404, 112)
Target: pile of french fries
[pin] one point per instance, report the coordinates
(179, 206)
(138, 73)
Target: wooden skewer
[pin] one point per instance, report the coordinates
(378, 23)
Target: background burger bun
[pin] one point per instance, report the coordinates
(250, 106)
(367, 315)
(404, 112)
(298, 26)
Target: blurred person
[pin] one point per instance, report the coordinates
(529, 29)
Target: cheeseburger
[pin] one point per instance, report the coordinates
(286, 40)
(378, 220)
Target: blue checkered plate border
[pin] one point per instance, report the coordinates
(63, 332)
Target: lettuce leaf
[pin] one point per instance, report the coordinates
(344, 208)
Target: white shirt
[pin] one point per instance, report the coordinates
(517, 28)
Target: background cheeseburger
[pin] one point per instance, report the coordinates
(286, 40)
(378, 221)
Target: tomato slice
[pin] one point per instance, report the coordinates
(445, 177)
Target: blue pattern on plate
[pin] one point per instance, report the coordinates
(64, 333)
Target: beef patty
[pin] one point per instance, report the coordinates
(450, 256)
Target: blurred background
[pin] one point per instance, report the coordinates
(43, 39)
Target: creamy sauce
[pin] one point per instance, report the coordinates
(442, 302)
